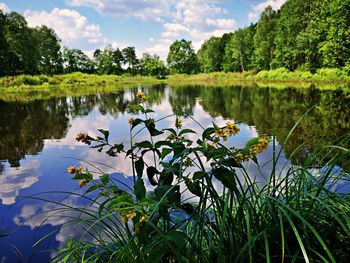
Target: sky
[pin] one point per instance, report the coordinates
(148, 25)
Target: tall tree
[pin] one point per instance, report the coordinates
(293, 19)
(239, 50)
(109, 61)
(264, 39)
(49, 49)
(76, 61)
(152, 66)
(211, 55)
(182, 58)
(23, 55)
(130, 58)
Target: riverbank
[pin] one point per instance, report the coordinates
(329, 76)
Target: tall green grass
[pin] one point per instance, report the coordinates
(295, 215)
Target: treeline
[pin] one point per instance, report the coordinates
(26, 50)
(303, 35)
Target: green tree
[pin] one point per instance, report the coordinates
(109, 61)
(182, 58)
(264, 40)
(152, 66)
(130, 58)
(49, 49)
(76, 61)
(211, 55)
(239, 50)
(293, 19)
(23, 55)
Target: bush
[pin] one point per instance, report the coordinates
(293, 217)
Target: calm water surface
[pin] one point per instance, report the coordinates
(37, 144)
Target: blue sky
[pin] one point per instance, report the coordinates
(149, 25)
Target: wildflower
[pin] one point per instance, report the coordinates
(141, 96)
(144, 218)
(71, 169)
(84, 138)
(124, 218)
(220, 132)
(178, 123)
(231, 128)
(82, 183)
(261, 146)
(131, 214)
(79, 169)
(131, 121)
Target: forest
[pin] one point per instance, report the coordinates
(303, 35)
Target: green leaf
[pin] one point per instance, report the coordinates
(94, 187)
(171, 194)
(86, 176)
(165, 152)
(136, 107)
(105, 133)
(151, 172)
(139, 165)
(199, 175)
(105, 179)
(186, 131)
(136, 122)
(144, 144)
(139, 189)
(252, 142)
(148, 111)
(207, 132)
(193, 187)
(226, 177)
(163, 143)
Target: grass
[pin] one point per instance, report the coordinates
(42, 82)
(228, 215)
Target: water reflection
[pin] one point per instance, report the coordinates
(24, 126)
(35, 136)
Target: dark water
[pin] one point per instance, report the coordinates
(37, 144)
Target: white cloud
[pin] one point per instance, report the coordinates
(72, 27)
(258, 9)
(4, 7)
(228, 24)
(17, 179)
(146, 10)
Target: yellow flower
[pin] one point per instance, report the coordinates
(124, 218)
(71, 169)
(79, 169)
(230, 125)
(220, 132)
(261, 146)
(141, 95)
(233, 130)
(131, 214)
(131, 121)
(84, 138)
(144, 218)
(82, 183)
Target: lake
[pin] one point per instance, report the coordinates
(37, 144)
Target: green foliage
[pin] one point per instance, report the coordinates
(204, 205)
(239, 50)
(182, 58)
(211, 54)
(109, 61)
(264, 37)
(152, 66)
